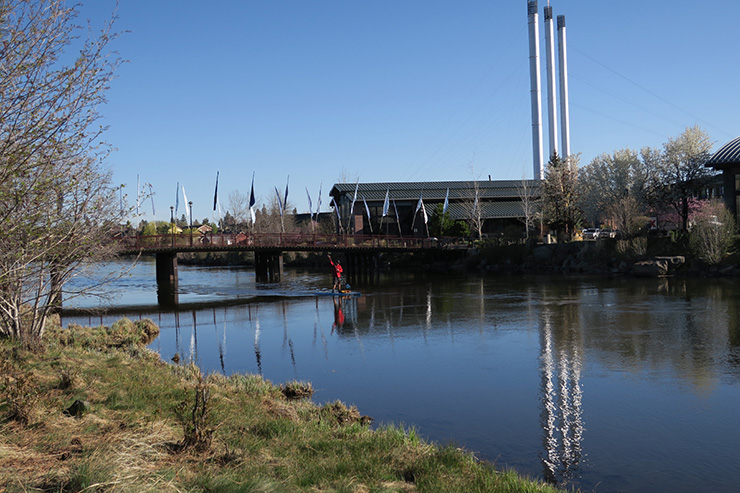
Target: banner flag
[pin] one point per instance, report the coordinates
(424, 211)
(215, 193)
(336, 209)
(251, 200)
(318, 205)
(367, 210)
(280, 203)
(386, 203)
(310, 204)
(398, 221)
(418, 205)
(177, 198)
(354, 199)
(447, 202)
(285, 201)
(151, 196)
(185, 198)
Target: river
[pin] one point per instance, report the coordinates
(609, 384)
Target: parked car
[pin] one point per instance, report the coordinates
(590, 233)
(608, 233)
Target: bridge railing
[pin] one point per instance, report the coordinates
(273, 240)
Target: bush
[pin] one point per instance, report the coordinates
(712, 234)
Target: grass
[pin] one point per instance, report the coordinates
(160, 427)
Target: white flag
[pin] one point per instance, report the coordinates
(185, 198)
(447, 202)
(386, 203)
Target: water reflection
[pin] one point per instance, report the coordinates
(512, 368)
(562, 411)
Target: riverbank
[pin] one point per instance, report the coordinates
(98, 411)
(605, 257)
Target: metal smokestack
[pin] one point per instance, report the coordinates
(564, 116)
(551, 87)
(534, 79)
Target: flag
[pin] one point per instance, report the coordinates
(177, 198)
(418, 205)
(336, 209)
(252, 201)
(310, 204)
(318, 205)
(354, 199)
(424, 212)
(215, 193)
(280, 203)
(185, 199)
(367, 210)
(386, 203)
(447, 202)
(398, 221)
(285, 201)
(151, 196)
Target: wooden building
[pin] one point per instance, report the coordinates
(499, 204)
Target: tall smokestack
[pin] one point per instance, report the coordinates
(534, 82)
(551, 87)
(564, 116)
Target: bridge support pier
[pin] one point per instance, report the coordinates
(268, 266)
(364, 267)
(167, 279)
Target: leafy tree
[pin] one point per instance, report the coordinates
(612, 190)
(560, 194)
(57, 206)
(440, 224)
(679, 174)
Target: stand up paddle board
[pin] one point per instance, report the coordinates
(338, 293)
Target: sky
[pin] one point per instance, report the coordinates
(311, 93)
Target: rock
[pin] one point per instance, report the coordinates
(78, 408)
(650, 268)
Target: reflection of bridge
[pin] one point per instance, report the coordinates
(361, 252)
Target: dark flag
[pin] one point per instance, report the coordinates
(215, 193)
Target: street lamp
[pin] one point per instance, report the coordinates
(172, 224)
(191, 222)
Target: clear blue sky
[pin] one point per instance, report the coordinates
(391, 90)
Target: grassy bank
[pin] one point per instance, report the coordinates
(143, 425)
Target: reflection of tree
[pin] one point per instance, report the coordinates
(561, 413)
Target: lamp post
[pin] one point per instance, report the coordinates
(191, 222)
(172, 224)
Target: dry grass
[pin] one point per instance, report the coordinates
(258, 439)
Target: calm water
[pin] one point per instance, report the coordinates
(612, 385)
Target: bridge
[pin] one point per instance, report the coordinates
(361, 252)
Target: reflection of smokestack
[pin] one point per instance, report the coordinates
(534, 79)
(564, 116)
(551, 88)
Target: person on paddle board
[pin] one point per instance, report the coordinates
(337, 274)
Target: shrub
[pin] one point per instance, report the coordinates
(712, 233)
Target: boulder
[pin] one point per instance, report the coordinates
(78, 408)
(650, 268)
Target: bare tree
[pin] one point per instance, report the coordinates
(57, 207)
(531, 205)
(239, 208)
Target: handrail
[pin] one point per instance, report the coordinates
(236, 241)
